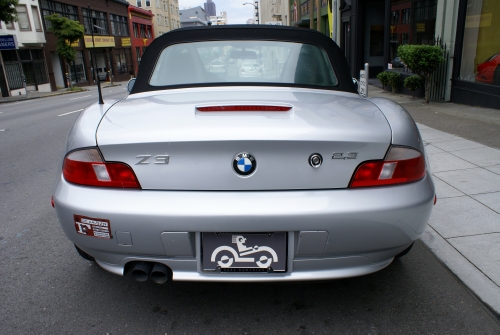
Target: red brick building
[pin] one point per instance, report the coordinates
(141, 32)
(111, 48)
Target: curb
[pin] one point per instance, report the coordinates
(42, 96)
(475, 280)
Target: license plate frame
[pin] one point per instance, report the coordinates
(244, 252)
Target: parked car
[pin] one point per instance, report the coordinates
(217, 66)
(250, 69)
(396, 62)
(488, 72)
(293, 178)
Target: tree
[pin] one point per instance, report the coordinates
(394, 80)
(422, 60)
(413, 83)
(384, 79)
(8, 10)
(67, 31)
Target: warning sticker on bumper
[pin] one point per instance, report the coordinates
(100, 228)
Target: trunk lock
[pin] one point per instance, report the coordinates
(315, 160)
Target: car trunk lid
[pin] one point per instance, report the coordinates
(172, 145)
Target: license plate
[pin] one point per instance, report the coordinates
(235, 252)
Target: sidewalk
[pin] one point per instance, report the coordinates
(464, 229)
(38, 95)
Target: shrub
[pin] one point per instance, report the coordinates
(394, 79)
(413, 83)
(384, 79)
(422, 60)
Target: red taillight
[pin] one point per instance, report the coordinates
(244, 108)
(402, 165)
(86, 167)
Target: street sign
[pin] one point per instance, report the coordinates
(8, 42)
(363, 83)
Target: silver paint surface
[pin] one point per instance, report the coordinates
(360, 230)
(201, 146)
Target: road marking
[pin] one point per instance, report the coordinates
(2, 129)
(71, 112)
(80, 97)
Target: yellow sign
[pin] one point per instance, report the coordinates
(476, 21)
(420, 27)
(145, 40)
(99, 41)
(126, 42)
(74, 44)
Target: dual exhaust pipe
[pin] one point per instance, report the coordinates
(157, 272)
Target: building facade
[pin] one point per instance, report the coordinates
(476, 62)
(468, 32)
(110, 50)
(219, 20)
(210, 8)
(312, 14)
(275, 12)
(23, 67)
(193, 17)
(142, 34)
(166, 13)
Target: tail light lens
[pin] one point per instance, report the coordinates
(86, 167)
(402, 165)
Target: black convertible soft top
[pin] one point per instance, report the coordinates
(242, 32)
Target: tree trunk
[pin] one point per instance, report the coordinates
(68, 69)
(427, 88)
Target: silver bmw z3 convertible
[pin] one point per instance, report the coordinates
(210, 173)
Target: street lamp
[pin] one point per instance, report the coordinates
(256, 6)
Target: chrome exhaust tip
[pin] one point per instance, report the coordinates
(160, 273)
(141, 271)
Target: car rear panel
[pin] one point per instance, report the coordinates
(201, 146)
(363, 228)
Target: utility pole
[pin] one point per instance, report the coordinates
(318, 15)
(92, 57)
(311, 14)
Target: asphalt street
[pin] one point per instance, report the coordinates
(45, 287)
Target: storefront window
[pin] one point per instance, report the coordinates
(78, 68)
(121, 61)
(408, 28)
(481, 47)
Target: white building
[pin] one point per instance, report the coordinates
(166, 14)
(22, 61)
(274, 12)
(219, 19)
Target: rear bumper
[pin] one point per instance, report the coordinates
(365, 228)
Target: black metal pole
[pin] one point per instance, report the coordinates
(96, 76)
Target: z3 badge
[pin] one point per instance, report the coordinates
(159, 159)
(93, 227)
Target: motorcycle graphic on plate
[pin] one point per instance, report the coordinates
(263, 256)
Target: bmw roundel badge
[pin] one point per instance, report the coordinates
(244, 164)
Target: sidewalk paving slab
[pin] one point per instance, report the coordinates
(464, 156)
